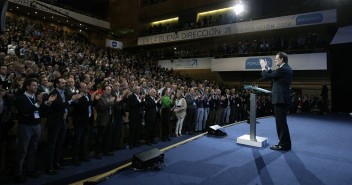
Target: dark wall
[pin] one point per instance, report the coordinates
(341, 77)
(96, 8)
(279, 7)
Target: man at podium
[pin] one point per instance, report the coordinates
(281, 100)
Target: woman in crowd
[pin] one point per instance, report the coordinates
(180, 108)
(166, 104)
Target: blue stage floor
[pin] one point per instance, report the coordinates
(321, 154)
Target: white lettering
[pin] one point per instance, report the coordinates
(284, 25)
(241, 27)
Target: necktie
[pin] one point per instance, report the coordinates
(32, 99)
(63, 96)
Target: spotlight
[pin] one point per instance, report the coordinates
(238, 8)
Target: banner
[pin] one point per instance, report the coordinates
(62, 12)
(191, 63)
(311, 61)
(113, 44)
(291, 21)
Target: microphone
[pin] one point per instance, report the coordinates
(254, 88)
(257, 80)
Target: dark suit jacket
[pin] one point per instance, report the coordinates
(45, 97)
(118, 106)
(217, 102)
(225, 101)
(57, 109)
(41, 89)
(80, 111)
(281, 78)
(150, 109)
(190, 101)
(211, 102)
(69, 94)
(103, 110)
(135, 108)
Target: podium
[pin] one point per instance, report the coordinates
(252, 139)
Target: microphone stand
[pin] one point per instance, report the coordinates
(252, 139)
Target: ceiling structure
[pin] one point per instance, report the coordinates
(54, 17)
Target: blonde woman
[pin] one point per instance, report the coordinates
(180, 108)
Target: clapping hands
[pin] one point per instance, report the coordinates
(40, 98)
(76, 96)
(263, 64)
(52, 98)
(112, 99)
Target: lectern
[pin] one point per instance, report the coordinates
(252, 139)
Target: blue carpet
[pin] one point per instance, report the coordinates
(321, 154)
(88, 169)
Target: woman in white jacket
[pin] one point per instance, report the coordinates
(179, 109)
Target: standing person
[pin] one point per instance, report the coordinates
(180, 108)
(219, 109)
(238, 110)
(191, 111)
(165, 114)
(70, 90)
(227, 103)
(118, 114)
(135, 102)
(206, 109)
(199, 99)
(82, 115)
(281, 100)
(105, 112)
(151, 111)
(29, 128)
(324, 96)
(56, 123)
(211, 100)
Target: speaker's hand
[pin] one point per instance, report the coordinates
(263, 64)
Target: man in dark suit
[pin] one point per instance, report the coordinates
(151, 110)
(219, 109)
(45, 87)
(70, 90)
(118, 114)
(191, 111)
(281, 90)
(135, 116)
(56, 123)
(82, 117)
(105, 111)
